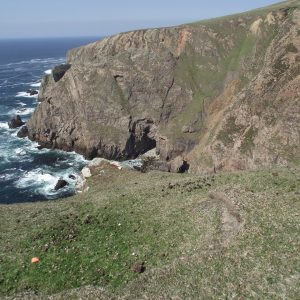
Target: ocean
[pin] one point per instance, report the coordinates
(28, 174)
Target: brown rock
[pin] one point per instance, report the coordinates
(15, 122)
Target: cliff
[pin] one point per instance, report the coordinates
(221, 94)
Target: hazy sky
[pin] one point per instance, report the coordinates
(54, 18)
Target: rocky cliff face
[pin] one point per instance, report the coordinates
(222, 94)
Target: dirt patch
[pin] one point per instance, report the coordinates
(231, 219)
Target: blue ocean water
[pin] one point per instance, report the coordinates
(27, 173)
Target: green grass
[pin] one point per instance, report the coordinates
(167, 221)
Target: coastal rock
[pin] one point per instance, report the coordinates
(86, 172)
(15, 122)
(218, 100)
(32, 92)
(23, 132)
(61, 183)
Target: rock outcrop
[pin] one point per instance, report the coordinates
(219, 94)
(23, 132)
(15, 122)
(61, 183)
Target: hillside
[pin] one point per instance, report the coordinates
(225, 236)
(221, 94)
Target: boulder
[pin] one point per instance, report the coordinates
(32, 92)
(61, 183)
(71, 176)
(15, 122)
(23, 132)
(86, 172)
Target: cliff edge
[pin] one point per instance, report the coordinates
(221, 94)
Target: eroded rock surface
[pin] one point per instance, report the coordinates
(220, 94)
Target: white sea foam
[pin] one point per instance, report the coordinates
(48, 72)
(32, 145)
(37, 179)
(42, 182)
(21, 112)
(22, 103)
(35, 84)
(26, 95)
(9, 176)
(20, 151)
(4, 125)
(14, 134)
(49, 60)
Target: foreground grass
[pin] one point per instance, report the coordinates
(232, 235)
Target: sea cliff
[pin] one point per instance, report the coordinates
(221, 94)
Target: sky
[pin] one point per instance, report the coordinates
(62, 18)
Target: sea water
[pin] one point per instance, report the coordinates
(27, 173)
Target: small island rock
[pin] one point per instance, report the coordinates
(15, 122)
(61, 183)
(23, 132)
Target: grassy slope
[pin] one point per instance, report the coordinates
(193, 243)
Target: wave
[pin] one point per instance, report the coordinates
(49, 60)
(35, 84)
(21, 103)
(14, 84)
(4, 125)
(6, 177)
(20, 151)
(48, 72)
(42, 182)
(21, 112)
(26, 95)
(32, 84)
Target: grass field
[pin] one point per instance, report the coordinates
(227, 236)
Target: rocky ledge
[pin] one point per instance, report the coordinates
(215, 95)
